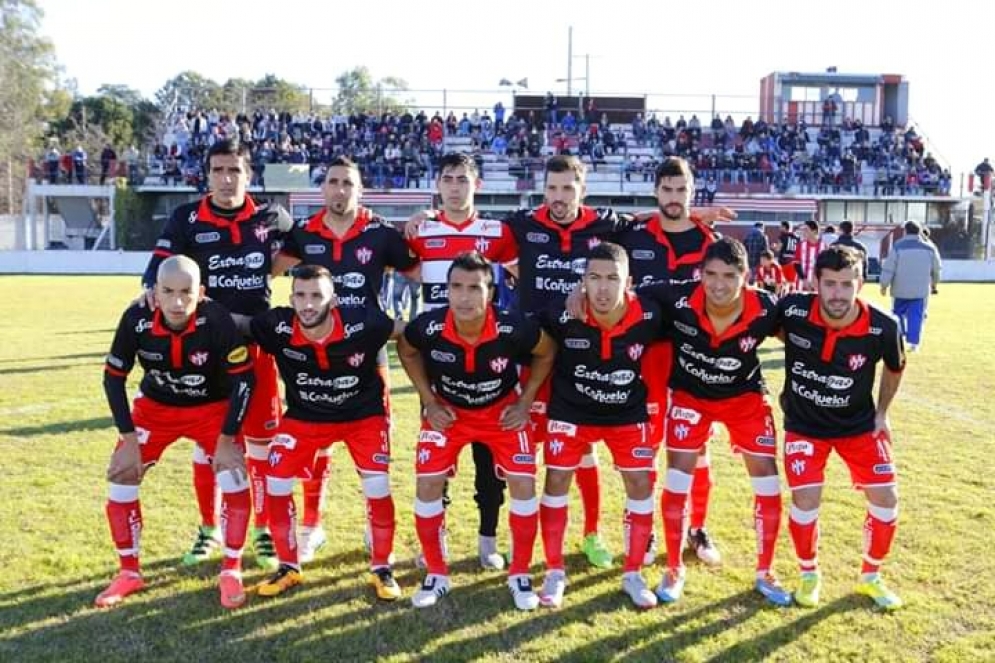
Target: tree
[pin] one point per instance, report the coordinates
(27, 70)
(359, 93)
(189, 90)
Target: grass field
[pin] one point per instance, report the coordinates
(56, 554)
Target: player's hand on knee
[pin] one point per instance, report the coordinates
(228, 457)
(515, 416)
(439, 416)
(126, 462)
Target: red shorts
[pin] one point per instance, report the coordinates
(158, 425)
(438, 451)
(656, 375)
(263, 415)
(790, 272)
(540, 405)
(631, 446)
(292, 451)
(747, 417)
(868, 456)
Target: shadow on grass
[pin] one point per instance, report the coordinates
(59, 427)
(81, 355)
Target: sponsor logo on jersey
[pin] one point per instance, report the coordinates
(143, 325)
(856, 361)
(482, 245)
(728, 364)
(682, 303)
(435, 243)
(261, 232)
(353, 280)
(355, 360)
(681, 431)
(238, 355)
(687, 330)
(255, 260)
(423, 456)
(199, 358)
(643, 254)
(315, 249)
(498, 364)
(798, 466)
(443, 357)
(294, 354)
(801, 342)
(538, 238)
(345, 382)
(593, 242)
(434, 328)
(577, 343)
(685, 414)
(432, 437)
(766, 441)
(505, 329)
(151, 356)
(635, 351)
(556, 427)
(206, 238)
(642, 452)
(381, 459)
(524, 459)
(884, 468)
(284, 328)
(555, 447)
(193, 380)
(117, 362)
(795, 312)
(364, 255)
(351, 330)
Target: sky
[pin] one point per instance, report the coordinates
(680, 54)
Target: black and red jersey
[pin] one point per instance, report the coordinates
(552, 257)
(234, 251)
(597, 376)
(656, 254)
(439, 241)
(357, 260)
(829, 373)
(708, 365)
(789, 247)
(191, 366)
(332, 380)
(473, 375)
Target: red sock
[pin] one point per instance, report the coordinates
(283, 527)
(553, 518)
(257, 480)
(640, 526)
(589, 485)
(205, 488)
(524, 529)
(125, 519)
(701, 489)
(805, 536)
(767, 523)
(878, 536)
(235, 509)
(672, 506)
(314, 491)
(429, 530)
(380, 514)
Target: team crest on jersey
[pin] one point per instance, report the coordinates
(482, 244)
(356, 359)
(261, 232)
(199, 358)
(593, 242)
(498, 364)
(636, 351)
(856, 362)
(747, 343)
(364, 255)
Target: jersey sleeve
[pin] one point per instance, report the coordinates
(527, 334)
(397, 253)
(893, 350)
(261, 331)
(171, 242)
(506, 252)
(238, 365)
(381, 327)
(291, 246)
(414, 335)
(119, 362)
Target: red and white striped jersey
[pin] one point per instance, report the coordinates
(440, 240)
(806, 256)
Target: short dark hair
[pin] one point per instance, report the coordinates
(673, 167)
(310, 273)
(611, 252)
(912, 228)
(730, 251)
(455, 160)
(759, 225)
(231, 148)
(472, 261)
(566, 163)
(812, 225)
(767, 253)
(839, 257)
(785, 226)
(846, 227)
(342, 162)
(830, 229)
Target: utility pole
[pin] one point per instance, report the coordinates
(570, 59)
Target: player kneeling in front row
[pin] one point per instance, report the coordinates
(716, 326)
(464, 361)
(327, 358)
(598, 394)
(833, 343)
(197, 384)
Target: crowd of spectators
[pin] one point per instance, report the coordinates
(399, 150)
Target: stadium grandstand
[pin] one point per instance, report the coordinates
(827, 146)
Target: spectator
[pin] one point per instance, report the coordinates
(108, 160)
(551, 105)
(52, 159)
(846, 238)
(912, 272)
(79, 164)
(829, 236)
(756, 243)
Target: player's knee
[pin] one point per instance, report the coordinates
(678, 482)
(232, 480)
(638, 485)
(885, 499)
(430, 489)
(557, 482)
(376, 486)
(521, 488)
(127, 476)
(806, 500)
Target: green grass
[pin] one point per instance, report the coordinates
(56, 555)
